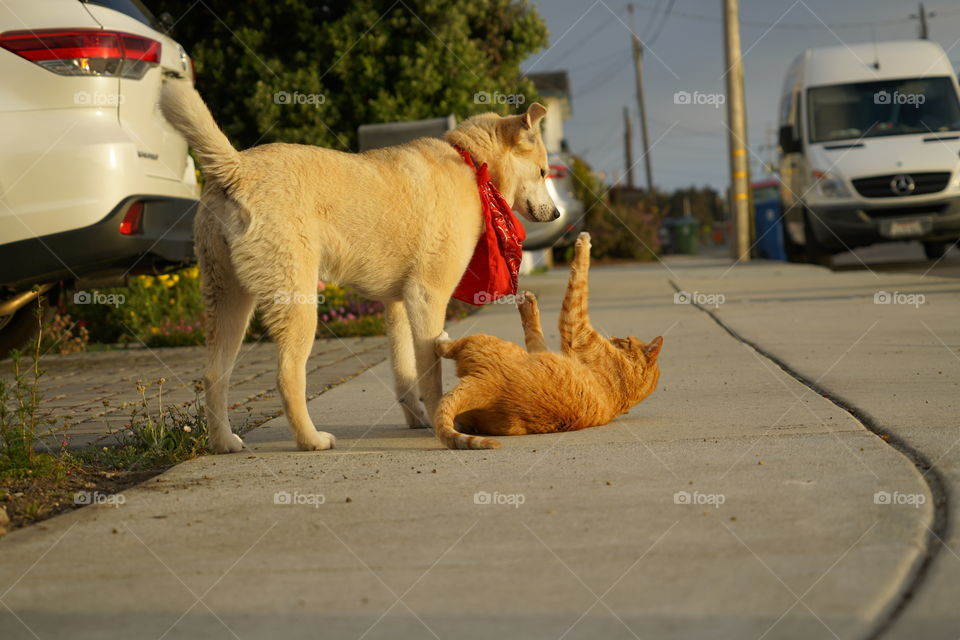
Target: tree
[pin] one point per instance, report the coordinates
(351, 63)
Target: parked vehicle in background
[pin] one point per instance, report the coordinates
(94, 183)
(562, 231)
(869, 141)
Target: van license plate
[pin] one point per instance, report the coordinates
(911, 228)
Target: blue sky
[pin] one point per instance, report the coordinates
(591, 40)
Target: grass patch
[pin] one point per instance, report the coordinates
(38, 481)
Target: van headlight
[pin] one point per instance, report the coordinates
(830, 186)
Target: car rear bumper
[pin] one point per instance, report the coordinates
(844, 227)
(165, 240)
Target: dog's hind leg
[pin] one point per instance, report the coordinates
(292, 320)
(404, 364)
(228, 310)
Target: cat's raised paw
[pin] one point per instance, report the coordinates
(526, 300)
(583, 241)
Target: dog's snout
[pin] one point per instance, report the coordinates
(555, 214)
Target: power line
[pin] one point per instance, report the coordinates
(790, 25)
(653, 20)
(579, 43)
(604, 59)
(666, 14)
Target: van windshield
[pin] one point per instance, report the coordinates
(882, 108)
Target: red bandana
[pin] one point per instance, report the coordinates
(492, 272)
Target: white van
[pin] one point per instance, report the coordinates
(869, 143)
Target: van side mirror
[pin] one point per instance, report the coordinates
(789, 142)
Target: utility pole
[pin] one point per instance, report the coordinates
(737, 117)
(641, 106)
(922, 16)
(628, 146)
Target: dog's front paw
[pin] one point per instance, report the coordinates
(229, 443)
(317, 441)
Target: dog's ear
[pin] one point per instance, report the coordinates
(533, 116)
(652, 350)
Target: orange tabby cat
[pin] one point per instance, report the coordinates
(506, 390)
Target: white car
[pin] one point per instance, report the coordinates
(94, 183)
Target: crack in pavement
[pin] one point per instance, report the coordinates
(937, 530)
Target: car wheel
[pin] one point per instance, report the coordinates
(934, 250)
(19, 327)
(816, 253)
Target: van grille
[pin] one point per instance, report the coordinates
(880, 186)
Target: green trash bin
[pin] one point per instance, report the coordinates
(685, 235)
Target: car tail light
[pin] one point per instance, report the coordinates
(558, 171)
(131, 224)
(77, 52)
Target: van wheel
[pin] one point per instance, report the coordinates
(816, 254)
(794, 251)
(935, 249)
(19, 327)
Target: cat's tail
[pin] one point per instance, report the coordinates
(451, 405)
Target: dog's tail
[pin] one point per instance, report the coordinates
(451, 405)
(185, 110)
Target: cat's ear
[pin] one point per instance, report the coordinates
(652, 350)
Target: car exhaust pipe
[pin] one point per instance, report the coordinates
(14, 304)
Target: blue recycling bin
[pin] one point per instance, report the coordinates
(769, 223)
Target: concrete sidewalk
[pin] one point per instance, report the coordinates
(735, 502)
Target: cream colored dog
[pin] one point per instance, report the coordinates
(397, 224)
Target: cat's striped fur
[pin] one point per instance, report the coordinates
(506, 390)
